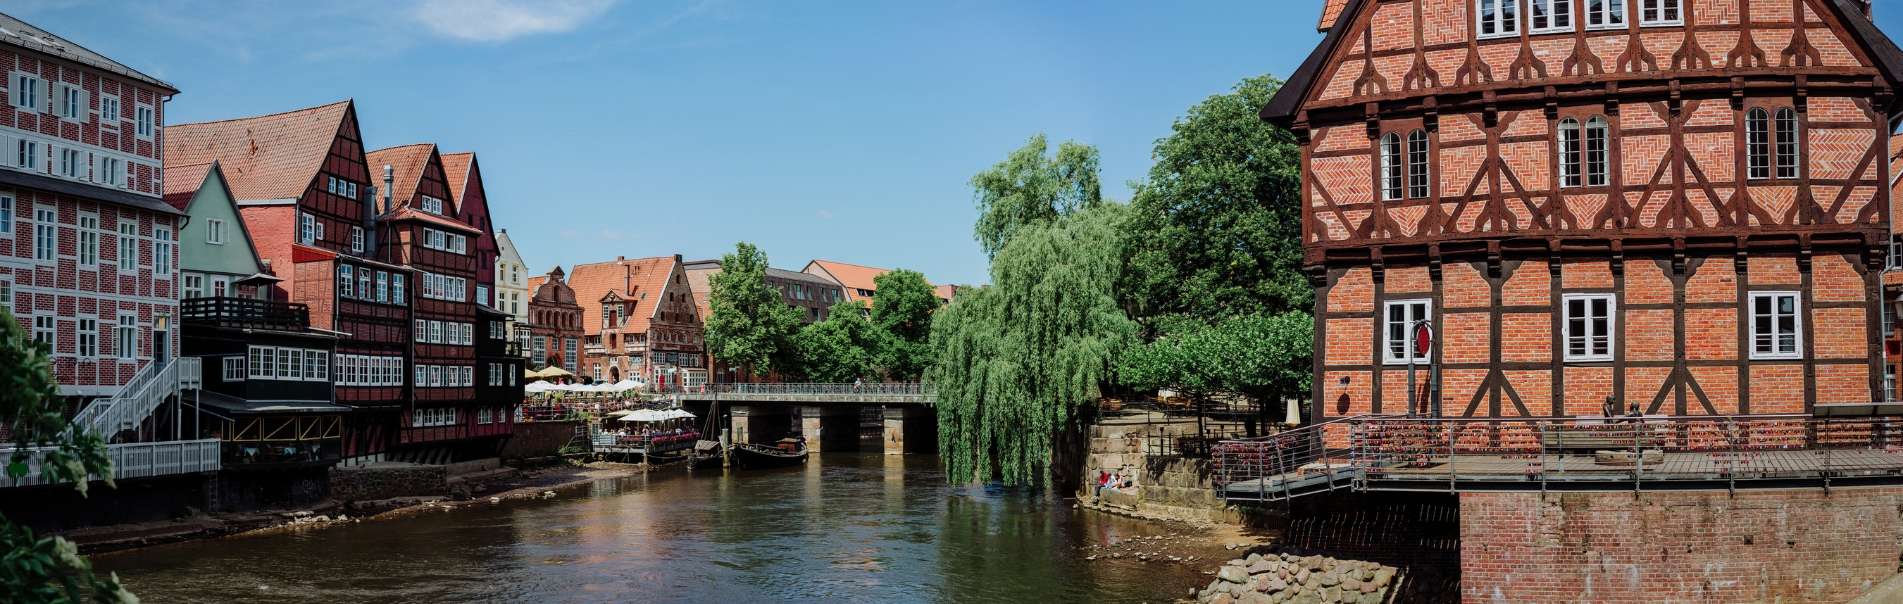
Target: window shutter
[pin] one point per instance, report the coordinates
(9, 151)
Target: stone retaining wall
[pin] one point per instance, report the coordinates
(1170, 488)
(387, 480)
(539, 439)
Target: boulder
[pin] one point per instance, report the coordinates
(1332, 595)
(1232, 574)
(1330, 579)
(1383, 576)
(1253, 558)
(1261, 566)
(1254, 598)
(1301, 576)
(1275, 585)
(1222, 598)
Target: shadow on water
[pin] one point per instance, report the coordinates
(844, 527)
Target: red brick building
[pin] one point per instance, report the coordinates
(418, 228)
(639, 321)
(88, 249)
(472, 208)
(554, 323)
(1680, 205)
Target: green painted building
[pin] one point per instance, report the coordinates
(216, 256)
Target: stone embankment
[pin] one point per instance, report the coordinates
(1273, 578)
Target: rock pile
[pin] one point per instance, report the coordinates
(1274, 578)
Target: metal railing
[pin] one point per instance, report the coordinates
(147, 389)
(138, 460)
(1315, 456)
(897, 389)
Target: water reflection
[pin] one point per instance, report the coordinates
(845, 526)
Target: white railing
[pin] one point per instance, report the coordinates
(138, 460)
(139, 397)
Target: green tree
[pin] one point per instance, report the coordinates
(839, 349)
(750, 326)
(902, 309)
(1030, 188)
(1017, 364)
(1220, 215)
(1260, 357)
(37, 568)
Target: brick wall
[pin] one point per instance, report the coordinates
(1754, 546)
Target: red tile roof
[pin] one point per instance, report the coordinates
(1330, 11)
(642, 280)
(408, 213)
(456, 173)
(182, 182)
(854, 277)
(408, 162)
(272, 156)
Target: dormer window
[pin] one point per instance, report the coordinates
(432, 205)
(1498, 18)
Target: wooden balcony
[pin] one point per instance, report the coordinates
(245, 313)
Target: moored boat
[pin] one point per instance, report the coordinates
(786, 452)
(706, 454)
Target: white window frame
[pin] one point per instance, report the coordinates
(24, 91)
(234, 368)
(1797, 325)
(70, 102)
(215, 231)
(1608, 10)
(70, 159)
(1787, 148)
(1611, 327)
(306, 228)
(1658, 7)
(110, 110)
(128, 251)
(146, 119)
(432, 205)
(88, 227)
(45, 330)
(6, 215)
(29, 155)
(1505, 26)
(161, 251)
(125, 336)
(86, 342)
(356, 240)
(1426, 306)
(193, 285)
(1555, 10)
(6, 293)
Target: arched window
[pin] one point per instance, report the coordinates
(1596, 134)
(1391, 167)
(1757, 143)
(1569, 153)
(1787, 143)
(1417, 172)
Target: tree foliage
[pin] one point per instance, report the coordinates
(839, 349)
(42, 568)
(750, 326)
(902, 307)
(1261, 356)
(1219, 219)
(1016, 362)
(1030, 188)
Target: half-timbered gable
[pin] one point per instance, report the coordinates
(1678, 205)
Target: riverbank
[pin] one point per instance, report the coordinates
(525, 483)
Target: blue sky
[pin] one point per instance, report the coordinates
(828, 129)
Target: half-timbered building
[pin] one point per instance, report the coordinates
(1674, 206)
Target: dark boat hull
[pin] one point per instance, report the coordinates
(703, 462)
(749, 457)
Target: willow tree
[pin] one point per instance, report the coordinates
(1017, 363)
(1032, 188)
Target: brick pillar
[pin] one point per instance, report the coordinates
(742, 417)
(910, 429)
(830, 427)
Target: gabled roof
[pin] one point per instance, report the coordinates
(852, 276)
(506, 246)
(407, 162)
(266, 157)
(456, 173)
(182, 182)
(639, 280)
(17, 33)
(409, 213)
(1288, 100)
(1330, 11)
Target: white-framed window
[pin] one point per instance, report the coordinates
(220, 286)
(109, 114)
(43, 329)
(432, 205)
(1597, 135)
(72, 162)
(215, 231)
(356, 240)
(363, 285)
(1417, 165)
(1392, 170)
(383, 286)
(161, 251)
(88, 337)
(6, 215)
(194, 285)
(30, 155)
(345, 275)
(485, 416)
(1605, 14)
(128, 245)
(306, 228)
(436, 376)
(1661, 12)
(112, 171)
(88, 239)
(291, 363)
(482, 294)
(6, 293)
(1398, 319)
(1497, 18)
(436, 332)
(126, 336)
(146, 119)
(72, 102)
(1787, 142)
(396, 288)
(1550, 16)
(422, 331)
(26, 91)
(1569, 152)
(1775, 325)
(1589, 327)
(263, 362)
(422, 376)
(234, 369)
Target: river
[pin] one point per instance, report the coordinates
(845, 527)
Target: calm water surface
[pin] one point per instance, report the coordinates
(846, 527)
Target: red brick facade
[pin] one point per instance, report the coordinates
(88, 178)
(554, 322)
(1580, 214)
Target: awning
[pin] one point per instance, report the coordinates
(231, 405)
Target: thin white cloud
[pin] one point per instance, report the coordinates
(503, 20)
(824, 214)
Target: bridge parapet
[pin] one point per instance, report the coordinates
(883, 393)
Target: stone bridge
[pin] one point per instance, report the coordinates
(828, 416)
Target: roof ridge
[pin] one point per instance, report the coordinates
(670, 258)
(262, 115)
(404, 146)
(878, 268)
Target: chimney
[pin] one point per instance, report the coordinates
(389, 183)
(370, 221)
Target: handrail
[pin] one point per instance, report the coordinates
(141, 395)
(892, 388)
